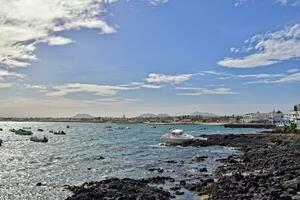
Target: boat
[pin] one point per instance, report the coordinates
(59, 133)
(28, 127)
(12, 130)
(176, 137)
(23, 132)
(39, 139)
(40, 130)
(1, 142)
(68, 126)
(1, 129)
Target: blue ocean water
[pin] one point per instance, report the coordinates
(70, 159)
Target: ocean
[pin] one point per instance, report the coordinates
(73, 158)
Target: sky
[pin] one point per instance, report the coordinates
(59, 58)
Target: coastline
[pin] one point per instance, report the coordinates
(268, 167)
(187, 123)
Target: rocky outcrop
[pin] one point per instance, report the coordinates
(125, 189)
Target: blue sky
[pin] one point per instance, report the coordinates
(109, 58)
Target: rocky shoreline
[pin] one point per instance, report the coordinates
(267, 168)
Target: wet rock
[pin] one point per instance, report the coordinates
(40, 184)
(179, 193)
(268, 167)
(203, 170)
(127, 189)
(285, 196)
(171, 161)
(182, 182)
(175, 188)
(294, 184)
(99, 158)
(160, 170)
(199, 158)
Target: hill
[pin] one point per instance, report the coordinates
(83, 116)
(203, 114)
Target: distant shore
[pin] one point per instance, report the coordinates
(73, 120)
(186, 123)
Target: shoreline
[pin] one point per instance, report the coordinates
(97, 122)
(187, 123)
(268, 167)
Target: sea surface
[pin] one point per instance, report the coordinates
(72, 158)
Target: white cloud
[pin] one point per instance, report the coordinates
(240, 2)
(99, 90)
(281, 2)
(142, 85)
(205, 91)
(26, 23)
(152, 86)
(288, 2)
(172, 79)
(58, 40)
(5, 85)
(40, 87)
(6, 74)
(269, 48)
(286, 78)
(156, 2)
(289, 78)
(292, 70)
(259, 76)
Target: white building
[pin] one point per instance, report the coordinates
(256, 117)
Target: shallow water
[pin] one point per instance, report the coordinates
(65, 159)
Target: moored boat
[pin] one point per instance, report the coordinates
(59, 133)
(39, 139)
(23, 132)
(176, 137)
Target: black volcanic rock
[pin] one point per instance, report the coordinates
(127, 189)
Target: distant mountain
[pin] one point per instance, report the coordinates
(83, 116)
(163, 115)
(151, 115)
(147, 115)
(203, 114)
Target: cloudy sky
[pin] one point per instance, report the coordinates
(115, 57)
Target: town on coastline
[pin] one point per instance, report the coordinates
(250, 120)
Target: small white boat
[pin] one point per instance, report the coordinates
(38, 139)
(176, 137)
